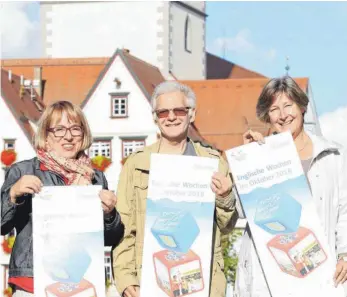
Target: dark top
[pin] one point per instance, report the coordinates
(20, 216)
(189, 151)
(306, 166)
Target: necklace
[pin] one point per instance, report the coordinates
(305, 143)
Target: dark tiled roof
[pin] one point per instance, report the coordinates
(227, 108)
(75, 79)
(22, 106)
(219, 68)
(63, 79)
(149, 75)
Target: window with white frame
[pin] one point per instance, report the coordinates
(119, 105)
(108, 268)
(132, 145)
(9, 144)
(100, 148)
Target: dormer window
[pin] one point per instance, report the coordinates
(119, 105)
(9, 144)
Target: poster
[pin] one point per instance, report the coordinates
(178, 229)
(68, 242)
(281, 213)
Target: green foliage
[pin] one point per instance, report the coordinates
(229, 254)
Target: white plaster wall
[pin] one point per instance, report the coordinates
(200, 5)
(163, 37)
(97, 29)
(186, 65)
(138, 123)
(9, 129)
(151, 30)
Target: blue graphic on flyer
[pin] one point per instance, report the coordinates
(277, 210)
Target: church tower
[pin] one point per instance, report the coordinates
(169, 35)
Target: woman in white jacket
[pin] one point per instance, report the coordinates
(282, 104)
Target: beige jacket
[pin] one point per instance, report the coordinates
(132, 194)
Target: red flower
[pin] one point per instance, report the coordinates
(124, 160)
(8, 157)
(5, 246)
(8, 292)
(8, 243)
(101, 163)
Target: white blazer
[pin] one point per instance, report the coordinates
(327, 175)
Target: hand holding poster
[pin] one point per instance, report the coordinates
(68, 242)
(286, 230)
(178, 229)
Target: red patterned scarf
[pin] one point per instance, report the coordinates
(76, 171)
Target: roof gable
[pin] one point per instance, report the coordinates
(146, 75)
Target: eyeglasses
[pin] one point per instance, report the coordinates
(178, 112)
(61, 131)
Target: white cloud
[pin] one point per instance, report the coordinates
(19, 34)
(271, 54)
(334, 124)
(242, 43)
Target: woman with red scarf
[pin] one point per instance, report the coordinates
(62, 137)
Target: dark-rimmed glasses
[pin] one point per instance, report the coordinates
(61, 131)
(178, 112)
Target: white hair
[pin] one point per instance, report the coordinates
(170, 87)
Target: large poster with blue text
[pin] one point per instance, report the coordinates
(286, 230)
(68, 242)
(178, 229)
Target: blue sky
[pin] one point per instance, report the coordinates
(259, 36)
(256, 35)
